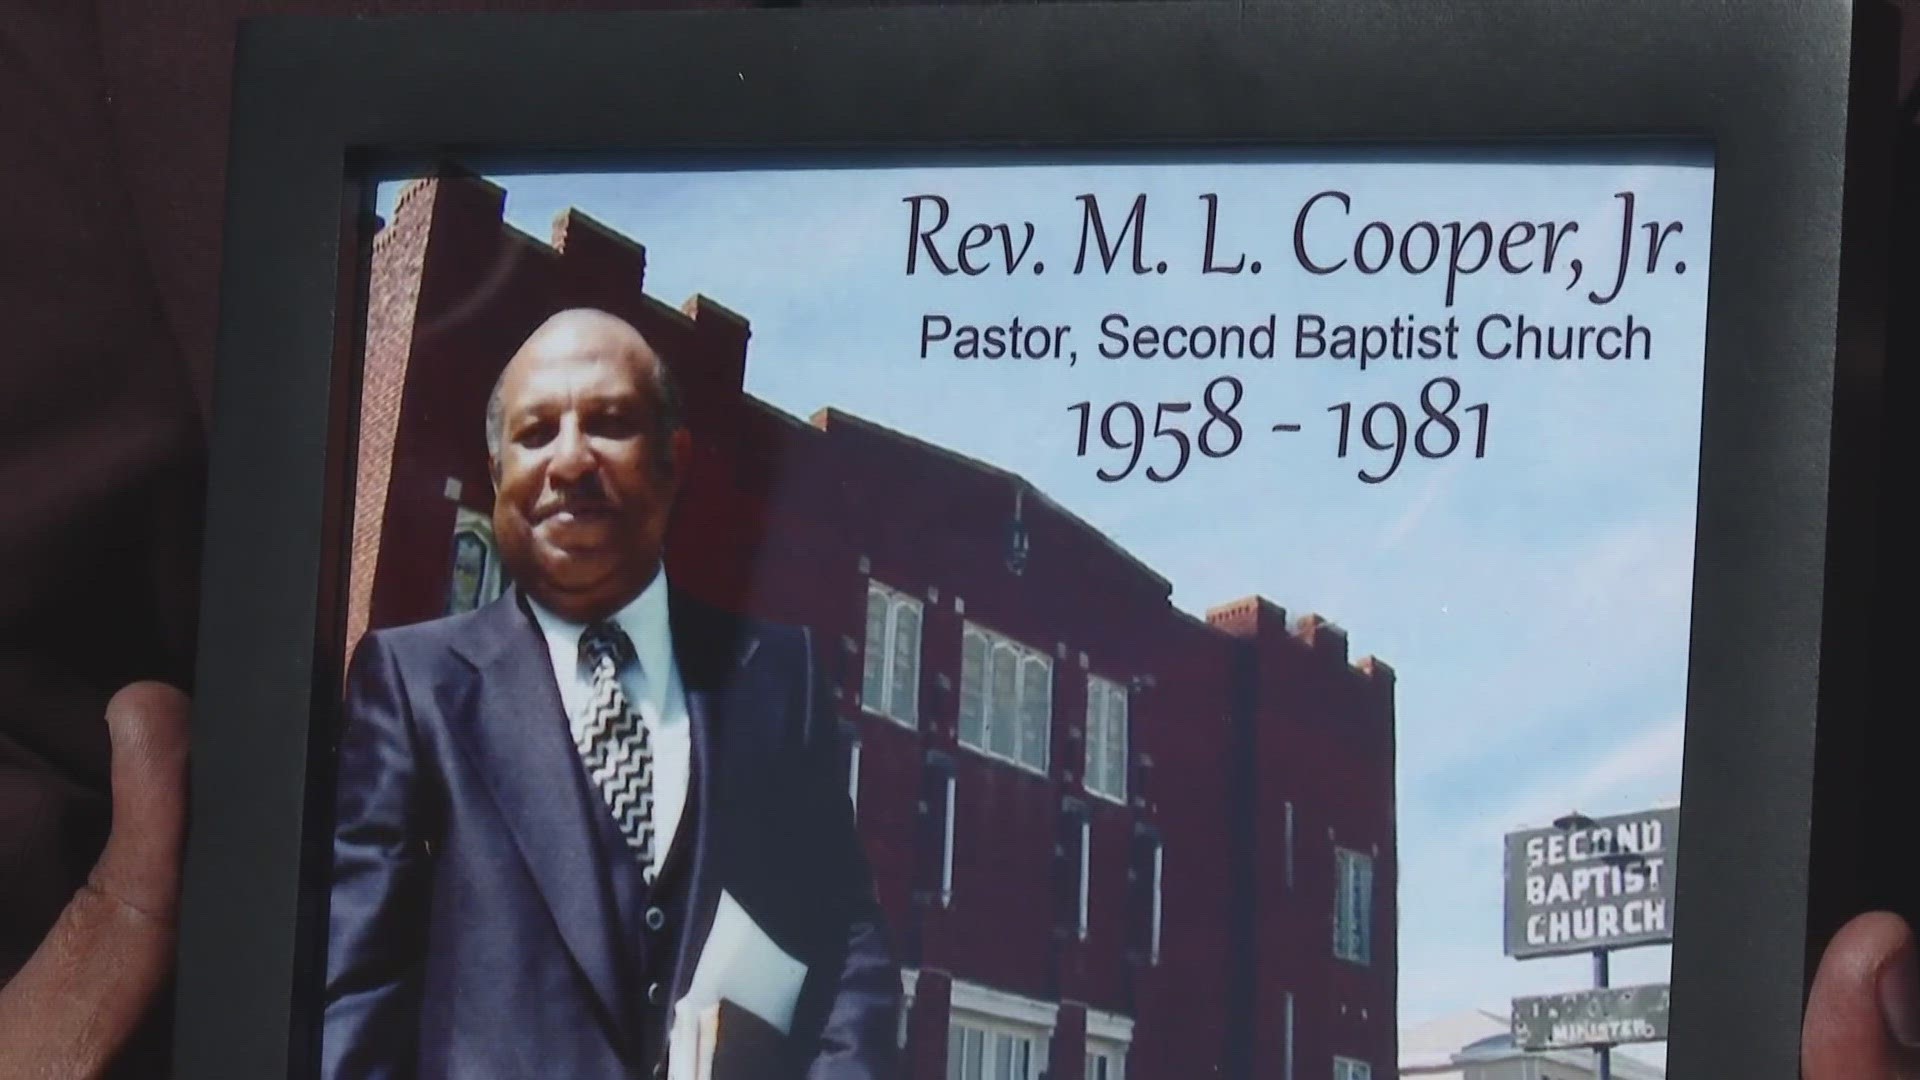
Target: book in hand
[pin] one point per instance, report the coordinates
(733, 1021)
(727, 1042)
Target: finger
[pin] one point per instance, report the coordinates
(1861, 1021)
(140, 866)
(68, 1012)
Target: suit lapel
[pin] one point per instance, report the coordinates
(514, 728)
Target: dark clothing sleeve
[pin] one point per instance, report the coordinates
(857, 1010)
(382, 876)
(100, 459)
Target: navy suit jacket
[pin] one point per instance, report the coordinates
(469, 929)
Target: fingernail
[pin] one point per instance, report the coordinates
(1900, 998)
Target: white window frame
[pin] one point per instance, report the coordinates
(1353, 929)
(992, 641)
(1287, 1060)
(1086, 872)
(853, 776)
(1289, 845)
(993, 1038)
(1159, 880)
(1114, 1054)
(1111, 1035)
(1101, 696)
(906, 714)
(960, 1044)
(1000, 1019)
(1346, 1068)
(946, 846)
(909, 978)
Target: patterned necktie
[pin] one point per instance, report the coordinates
(613, 742)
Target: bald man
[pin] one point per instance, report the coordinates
(549, 808)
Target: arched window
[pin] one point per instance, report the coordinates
(890, 684)
(1006, 698)
(475, 578)
(1106, 764)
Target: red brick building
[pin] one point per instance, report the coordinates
(1112, 839)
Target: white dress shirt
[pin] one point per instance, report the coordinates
(652, 685)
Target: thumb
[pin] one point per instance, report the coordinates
(1863, 1017)
(85, 990)
(140, 866)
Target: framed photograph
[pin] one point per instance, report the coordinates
(985, 544)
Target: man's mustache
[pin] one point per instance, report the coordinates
(582, 500)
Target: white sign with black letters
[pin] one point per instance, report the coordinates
(1604, 883)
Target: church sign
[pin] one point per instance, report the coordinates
(1588, 884)
(1603, 1017)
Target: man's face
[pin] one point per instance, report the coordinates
(581, 495)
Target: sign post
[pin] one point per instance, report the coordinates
(1603, 1051)
(1591, 885)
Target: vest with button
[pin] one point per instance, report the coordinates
(648, 916)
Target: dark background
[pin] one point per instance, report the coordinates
(113, 138)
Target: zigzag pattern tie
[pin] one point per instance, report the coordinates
(613, 742)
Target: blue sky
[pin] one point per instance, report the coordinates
(1534, 602)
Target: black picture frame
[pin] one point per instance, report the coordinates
(1795, 99)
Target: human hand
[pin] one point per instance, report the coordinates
(71, 1009)
(1863, 1018)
